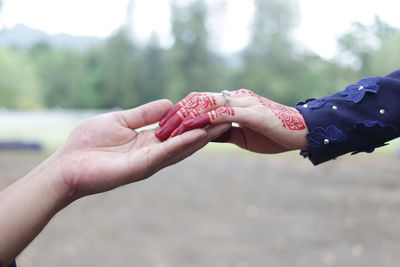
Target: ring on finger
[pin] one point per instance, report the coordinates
(227, 95)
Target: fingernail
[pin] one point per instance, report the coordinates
(162, 121)
(174, 133)
(160, 133)
(188, 122)
(170, 113)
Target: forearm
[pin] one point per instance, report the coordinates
(360, 118)
(28, 205)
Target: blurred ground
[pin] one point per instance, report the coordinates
(230, 209)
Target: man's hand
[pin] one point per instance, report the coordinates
(100, 154)
(106, 152)
(264, 126)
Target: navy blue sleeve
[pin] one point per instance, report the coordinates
(360, 118)
(13, 264)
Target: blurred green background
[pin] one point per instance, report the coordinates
(121, 72)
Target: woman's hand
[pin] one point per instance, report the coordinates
(106, 151)
(263, 125)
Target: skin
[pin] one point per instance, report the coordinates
(263, 125)
(191, 106)
(101, 154)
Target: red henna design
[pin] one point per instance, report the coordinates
(165, 131)
(195, 103)
(290, 117)
(244, 91)
(170, 113)
(222, 111)
(202, 120)
(192, 123)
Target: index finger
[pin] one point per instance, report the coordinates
(193, 105)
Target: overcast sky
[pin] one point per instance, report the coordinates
(322, 21)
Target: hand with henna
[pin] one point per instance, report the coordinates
(263, 126)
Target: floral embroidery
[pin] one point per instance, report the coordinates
(368, 124)
(372, 124)
(313, 103)
(305, 102)
(368, 149)
(316, 104)
(304, 153)
(319, 135)
(362, 125)
(356, 92)
(324, 140)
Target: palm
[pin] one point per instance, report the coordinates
(256, 142)
(104, 150)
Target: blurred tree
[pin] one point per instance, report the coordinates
(119, 69)
(357, 45)
(1, 15)
(127, 25)
(387, 58)
(319, 77)
(64, 76)
(19, 84)
(152, 71)
(120, 73)
(270, 67)
(191, 64)
(272, 23)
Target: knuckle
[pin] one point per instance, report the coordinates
(145, 117)
(166, 152)
(245, 92)
(119, 118)
(191, 94)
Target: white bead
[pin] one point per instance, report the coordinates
(305, 106)
(326, 141)
(334, 107)
(382, 111)
(360, 88)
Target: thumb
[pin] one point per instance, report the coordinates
(146, 114)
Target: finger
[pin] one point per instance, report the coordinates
(234, 135)
(170, 148)
(244, 93)
(145, 114)
(170, 113)
(193, 105)
(238, 136)
(217, 130)
(176, 125)
(218, 116)
(175, 109)
(212, 133)
(165, 131)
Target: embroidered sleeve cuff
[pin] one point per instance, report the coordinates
(13, 264)
(360, 118)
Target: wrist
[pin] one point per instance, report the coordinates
(50, 175)
(28, 204)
